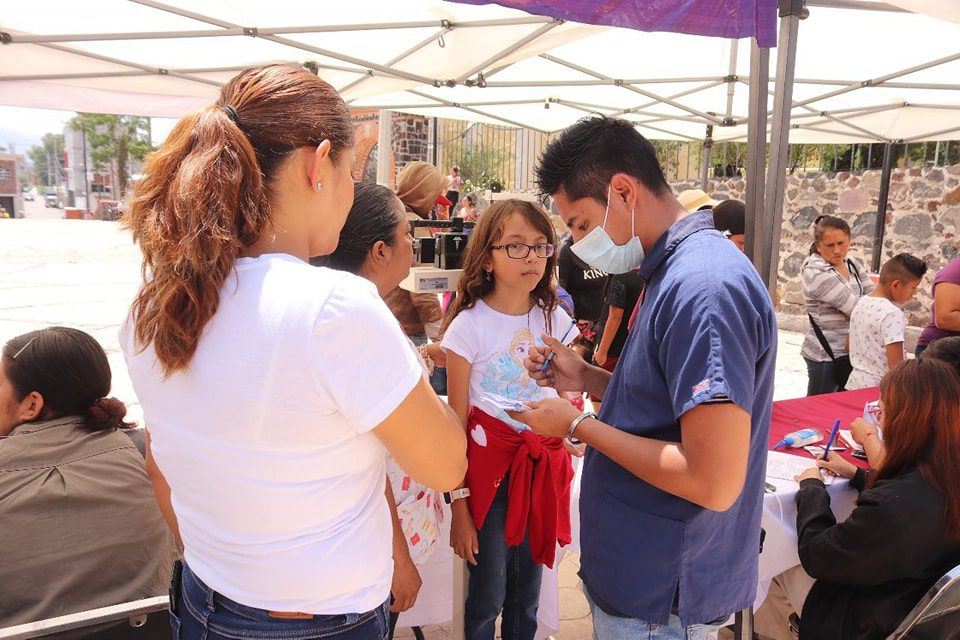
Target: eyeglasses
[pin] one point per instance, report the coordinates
(519, 250)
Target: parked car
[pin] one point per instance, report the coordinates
(28, 196)
(51, 200)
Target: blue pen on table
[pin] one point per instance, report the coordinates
(546, 363)
(833, 435)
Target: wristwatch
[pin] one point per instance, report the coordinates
(457, 494)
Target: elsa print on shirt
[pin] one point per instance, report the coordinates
(507, 377)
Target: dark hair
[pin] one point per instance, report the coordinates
(921, 426)
(69, 368)
(207, 195)
(945, 350)
(373, 218)
(821, 224)
(903, 267)
(474, 284)
(586, 155)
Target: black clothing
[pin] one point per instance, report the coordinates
(623, 291)
(875, 566)
(585, 285)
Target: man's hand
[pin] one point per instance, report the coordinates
(550, 417)
(566, 371)
(813, 473)
(406, 584)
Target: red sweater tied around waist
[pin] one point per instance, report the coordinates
(540, 475)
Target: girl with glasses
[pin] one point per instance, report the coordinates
(517, 511)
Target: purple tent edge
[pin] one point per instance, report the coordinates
(718, 18)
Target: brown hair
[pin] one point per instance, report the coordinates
(69, 368)
(473, 282)
(921, 406)
(207, 195)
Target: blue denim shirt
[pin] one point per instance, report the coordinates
(705, 329)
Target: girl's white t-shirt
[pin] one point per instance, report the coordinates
(496, 344)
(276, 480)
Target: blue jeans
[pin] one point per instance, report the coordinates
(200, 613)
(608, 627)
(505, 579)
(820, 378)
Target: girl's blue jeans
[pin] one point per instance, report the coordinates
(506, 579)
(199, 613)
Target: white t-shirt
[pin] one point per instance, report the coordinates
(276, 480)
(496, 344)
(874, 323)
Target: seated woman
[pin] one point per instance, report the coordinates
(375, 243)
(79, 523)
(904, 534)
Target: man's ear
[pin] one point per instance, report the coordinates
(625, 188)
(31, 407)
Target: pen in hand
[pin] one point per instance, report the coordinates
(833, 435)
(549, 358)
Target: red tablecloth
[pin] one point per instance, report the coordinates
(819, 412)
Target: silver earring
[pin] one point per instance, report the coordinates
(489, 275)
(319, 186)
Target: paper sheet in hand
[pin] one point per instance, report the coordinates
(507, 404)
(786, 466)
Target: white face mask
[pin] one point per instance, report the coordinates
(599, 251)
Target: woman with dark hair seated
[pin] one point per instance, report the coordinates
(904, 534)
(376, 243)
(79, 523)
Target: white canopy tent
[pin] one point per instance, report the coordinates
(873, 72)
(864, 70)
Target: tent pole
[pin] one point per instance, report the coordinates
(790, 12)
(384, 148)
(756, 150)
(707, 154)
(882, 206)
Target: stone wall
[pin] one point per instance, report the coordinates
(923, 218)
(410, 140)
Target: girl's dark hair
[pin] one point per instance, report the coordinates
(821, 224)
(473, 283)
(374, 217)
(921, 426)
(70, 370)
(208, 191)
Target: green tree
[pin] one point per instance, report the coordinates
(480, 165)
(47, 159)
(113, 142)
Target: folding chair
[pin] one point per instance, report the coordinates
(145, 619)
(937, 615)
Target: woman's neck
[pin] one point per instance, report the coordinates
(513, 302)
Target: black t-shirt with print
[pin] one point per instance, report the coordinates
(623, 291)
(584, 284)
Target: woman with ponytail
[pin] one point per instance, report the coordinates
(270, 388)
(78, 521)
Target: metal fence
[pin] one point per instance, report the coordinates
(487, 153)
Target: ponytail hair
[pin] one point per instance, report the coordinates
(821, 224)
(69, 369)
(207, 195)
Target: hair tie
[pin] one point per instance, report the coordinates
(232, 113)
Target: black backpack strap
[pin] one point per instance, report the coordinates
(822, 338)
